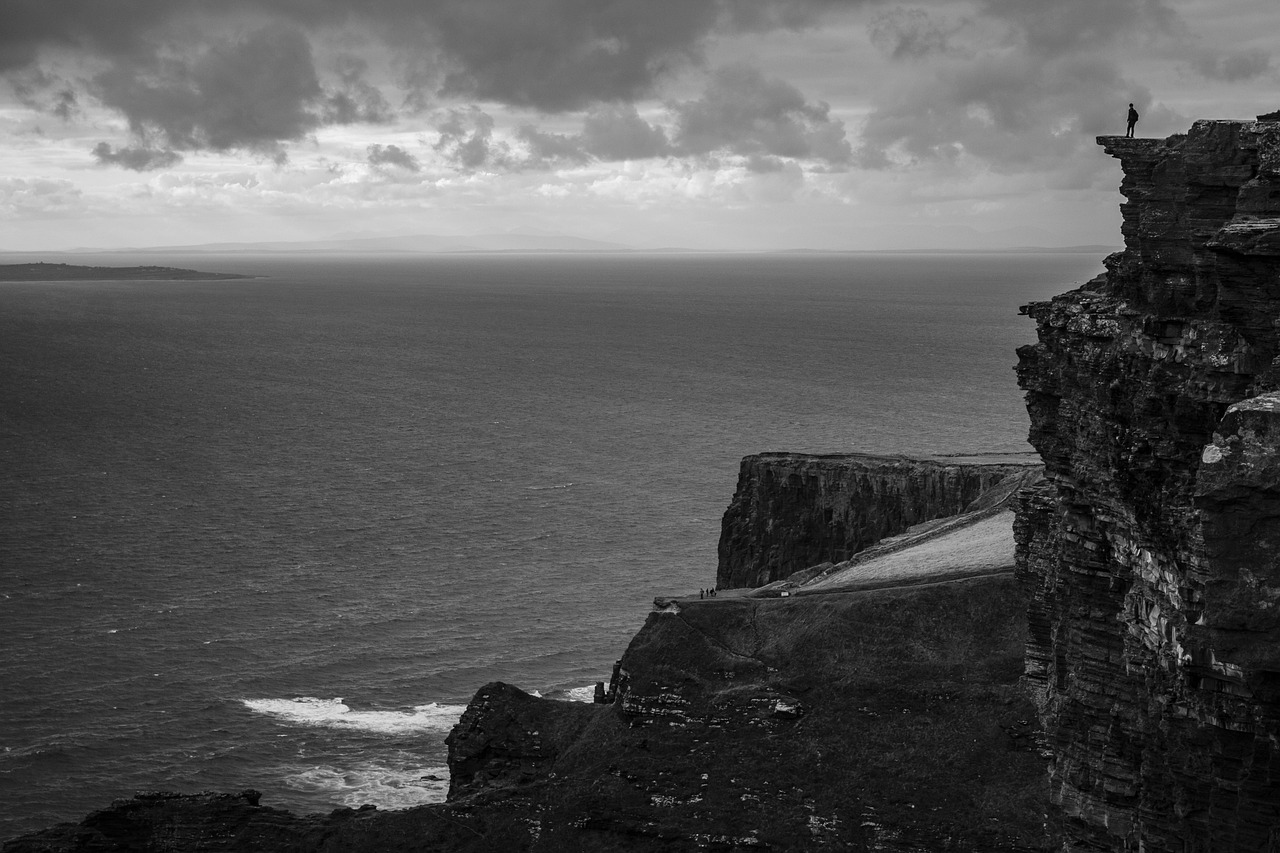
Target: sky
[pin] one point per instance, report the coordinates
(730, 125)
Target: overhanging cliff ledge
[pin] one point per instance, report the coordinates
(1151, 548)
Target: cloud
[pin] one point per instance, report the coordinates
(393, 155)
(761, 17)
(744, 112)
(137, 159)
(37, 197)
(1235, 66)
(66, 104)
(40, 90)
(614, 132)
(1012, 111)
(910, 33)
(550, 55)
(557, 55)
(548, 148)
(355, 99)
(247, 93)
(1018, 86)
(1053, 28)
(466, 139)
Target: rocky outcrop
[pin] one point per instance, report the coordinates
(1150, 549)
(891, 720)
(237, 823)
(792, 511)
(507, 737)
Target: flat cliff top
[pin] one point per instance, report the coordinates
(1028, 458)
(74, 272)
(977, 545)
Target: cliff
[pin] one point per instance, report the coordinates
(1151, 549)
(890, 720)
(792, 511)
(876, 706)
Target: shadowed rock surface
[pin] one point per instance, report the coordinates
(1151, 547)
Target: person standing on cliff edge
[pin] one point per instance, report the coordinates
(1133, 119)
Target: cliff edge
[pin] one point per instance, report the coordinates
(877, 706)
(792, 511)
(1151, 547)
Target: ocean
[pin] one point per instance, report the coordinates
(274, 533)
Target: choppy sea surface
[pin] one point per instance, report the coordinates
(275, 533)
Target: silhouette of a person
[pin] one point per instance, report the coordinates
(1133, 119)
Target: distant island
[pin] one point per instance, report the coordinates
(73, 272)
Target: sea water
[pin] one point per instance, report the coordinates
(274, 533)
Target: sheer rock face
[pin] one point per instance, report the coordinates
(1154, 627)
(792, 511)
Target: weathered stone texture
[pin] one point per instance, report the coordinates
(792, 511)
(1152, 630)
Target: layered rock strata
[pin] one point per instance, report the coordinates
(1151, 547)
(792, 511)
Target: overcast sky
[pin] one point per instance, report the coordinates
(714, 124)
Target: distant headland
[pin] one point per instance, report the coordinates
(73, 272)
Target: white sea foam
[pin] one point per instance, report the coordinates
(387, 787)
(333, 713)
(581, 694)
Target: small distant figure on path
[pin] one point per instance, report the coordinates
(1133, 119)
(702, 593)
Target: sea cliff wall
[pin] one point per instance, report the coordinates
(1151, 550)
(793, 510)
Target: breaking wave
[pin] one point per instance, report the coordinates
(387, 787)
(334, 714)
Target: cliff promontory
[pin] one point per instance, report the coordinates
(1151, 550)
(792, 511)
(877, 705)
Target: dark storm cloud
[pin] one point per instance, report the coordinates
(175, 79)
(744, 112)
(239, 93)
(393, 155)
(137, 159)
(559, 55)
